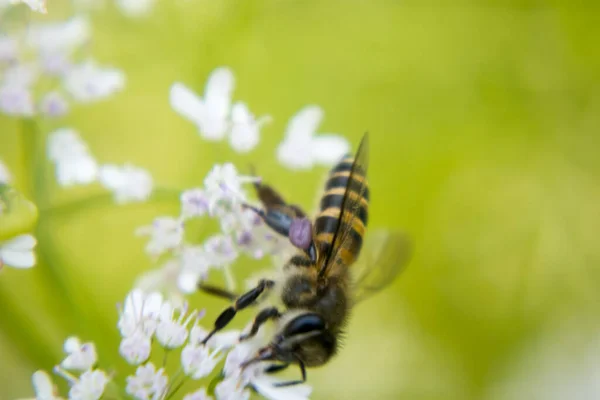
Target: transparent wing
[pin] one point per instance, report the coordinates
(343, 238)
(384, 256)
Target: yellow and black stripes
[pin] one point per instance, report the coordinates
(329, 216)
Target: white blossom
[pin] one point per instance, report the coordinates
(140, 312)
(128, 183)
(89, 386)
(59, 37)
(18, 252)
(172, 330)
(80, 356)
(199, 394)
(198, 361)
(35, 5)
(147, 383)
(195, 264)
(73, 161)
(220, 250)
(194, 203)
(245, 130)
(302, 148)
(5, 176)
(209, 113)
(223, 186)
(231, 389)
(136, 348)
(88, 82)
(165, 233)
(54, 104)
(43, 386)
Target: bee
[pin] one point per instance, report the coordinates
(323, 281)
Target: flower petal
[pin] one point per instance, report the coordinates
(17, 258)
(328, 149)
(20, 243)
(304, 123)
(217, 94)
(265, 385)
(42, 385)
(186, 103)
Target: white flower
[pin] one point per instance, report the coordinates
(5, 176)
(128, 183)
(70, 154)
(245, 130)
(165, 233)
(59, 37)
(195, 264)
(35, 5)
(162, 279)
(135, 8)
(87, 81)
(231, 389)
(140, 312)
(220, 250)
(18, 252)
(194, 203)
(223, 187)
(136, 348)
(147, 383)
(81, 356)
(199, 394)
(197, 360)
(89, 386)
(43, 386)
(301, 148)
(54, 104)
(16, 100)
(172, 329)
(210, 113)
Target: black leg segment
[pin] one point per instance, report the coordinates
(262, 317)
(241, 302)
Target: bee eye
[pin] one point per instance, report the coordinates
(304, 323)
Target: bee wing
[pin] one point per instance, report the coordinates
(343, 237)
(384, 256)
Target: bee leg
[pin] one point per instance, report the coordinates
(243, 301)
(262, 317)
(217, 291)
(297, 382)
(273, 368)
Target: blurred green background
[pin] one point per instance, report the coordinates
(484, 119)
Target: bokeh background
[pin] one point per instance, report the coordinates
(484, 119)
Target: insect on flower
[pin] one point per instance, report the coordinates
(324, 280)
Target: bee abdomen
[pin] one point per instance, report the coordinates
(335, 189)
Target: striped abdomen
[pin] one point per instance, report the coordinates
(331, 203)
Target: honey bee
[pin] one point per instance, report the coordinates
(323, 280)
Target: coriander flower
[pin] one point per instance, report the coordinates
(302, 148)
(165, 233)
(88, 82)
(211, 112)
(245, 130)
(135, 348)
(199, 394)
(194, 203)
(223, 186)
(80, 356)
(128, 183)
(147, 383)
(231, 389)
(73, 161)
(140, 312)
(18, 252)
(43, 386)
(5, 176)
(172, 330)
(89, 386)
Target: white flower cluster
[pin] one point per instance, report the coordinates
(43, 69)
(241, 232)
(76, 166)
(216, 119)
(147, 317)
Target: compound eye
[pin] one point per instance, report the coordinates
(303, 324)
